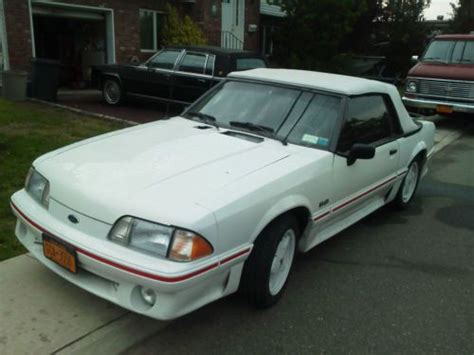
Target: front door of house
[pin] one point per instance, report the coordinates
(233, 24)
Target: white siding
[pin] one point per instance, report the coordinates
(271, 10)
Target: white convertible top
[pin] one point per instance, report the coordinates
(341, 84)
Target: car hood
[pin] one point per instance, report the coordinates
(159, 167)
(443, 71)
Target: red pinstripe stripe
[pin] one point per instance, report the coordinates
(131, 269)
(337, 208)
(321, 216)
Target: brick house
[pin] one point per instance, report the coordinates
(80, 33)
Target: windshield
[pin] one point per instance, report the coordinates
(439, 51)
(450, 52)
(235, 101)
(270, 110)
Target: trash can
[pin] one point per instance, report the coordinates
(14, 85)
(45, 79)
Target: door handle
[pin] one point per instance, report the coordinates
(393, 151)
(202, 81)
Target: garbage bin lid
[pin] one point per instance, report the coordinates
(46, 61)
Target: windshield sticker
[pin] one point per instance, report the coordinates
(323, 141)
(308, 138)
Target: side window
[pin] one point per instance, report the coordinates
(316, 125)
(367, 121)
(210, 65)
(193, 63)
(468, 55)
(457, 52)
(164, 60)
(249, 63)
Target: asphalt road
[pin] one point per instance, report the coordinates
(396, 282)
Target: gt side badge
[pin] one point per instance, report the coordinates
(324, 203)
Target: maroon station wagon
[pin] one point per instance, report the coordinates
(443, 79)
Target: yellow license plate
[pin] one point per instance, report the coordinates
(444, 109)
(61, 254)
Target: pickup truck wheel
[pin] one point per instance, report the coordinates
(266, 271)
(409, 184)
(112, 92)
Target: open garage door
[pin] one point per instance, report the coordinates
(77, 36)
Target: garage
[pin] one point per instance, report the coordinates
(76, 36)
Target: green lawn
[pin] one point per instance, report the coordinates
(28, 130)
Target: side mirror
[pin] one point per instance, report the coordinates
(415, 59)
(360, 151)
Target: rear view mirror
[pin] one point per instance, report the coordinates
(360, 151)
(414, 59)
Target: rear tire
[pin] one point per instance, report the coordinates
(266, 272)
(112, 92)
(409, 184)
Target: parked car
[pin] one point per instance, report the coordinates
(175, 74)
(443, 80)
(166, 217)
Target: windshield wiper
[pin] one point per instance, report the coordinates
(209, 119)
(253, 127)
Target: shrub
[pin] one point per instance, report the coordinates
(181, 30)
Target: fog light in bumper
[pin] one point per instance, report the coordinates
(148, 295)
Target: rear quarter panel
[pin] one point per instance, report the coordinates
(412, 145)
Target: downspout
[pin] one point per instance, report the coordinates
(3, 34)
(33, 47)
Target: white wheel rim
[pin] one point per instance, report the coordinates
(410, 182)
(282, 262)
(112, 92)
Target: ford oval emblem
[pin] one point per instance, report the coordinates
(73, 219)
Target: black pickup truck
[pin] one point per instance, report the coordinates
(177, 74)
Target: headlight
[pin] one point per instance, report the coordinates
(412, 86)
(160, 240)
(38, 187)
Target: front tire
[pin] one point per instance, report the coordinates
(409, 185)
(112, 92)
(266, 272)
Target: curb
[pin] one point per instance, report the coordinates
(115, 337)
(85, 113)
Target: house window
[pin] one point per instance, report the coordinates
(151, 23)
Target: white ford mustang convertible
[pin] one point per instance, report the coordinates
(166, 217)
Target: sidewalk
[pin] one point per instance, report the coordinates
(42, 313)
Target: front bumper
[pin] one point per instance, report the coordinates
(119, 281)
(418, 102)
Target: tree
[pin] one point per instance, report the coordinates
(313, 31)
(463, 19)
(402, 26)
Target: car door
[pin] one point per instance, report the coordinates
(160, 69)
(361, 187)
(134, 78)
(193, 76)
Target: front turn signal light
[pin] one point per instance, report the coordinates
(189, 246)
